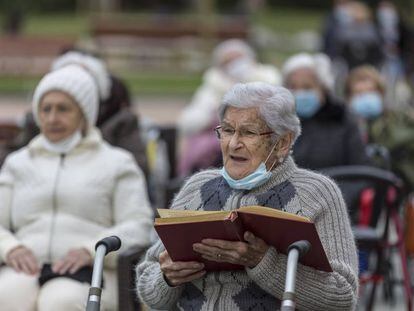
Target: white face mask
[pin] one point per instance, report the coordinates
(240, 69)
(387, 16)
(63, 146)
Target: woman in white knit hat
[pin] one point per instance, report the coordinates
(59, 195)
(330, 133)
(118, 123)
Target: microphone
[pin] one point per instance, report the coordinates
(296, 250)
(102, 248)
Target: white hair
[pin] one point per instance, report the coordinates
(319, 63)
(276, 105)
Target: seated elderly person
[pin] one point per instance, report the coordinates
(258, 127)
(330, 132)
(61, 194)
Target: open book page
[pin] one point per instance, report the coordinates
(165, 212)
(177, 216)
(272, 212)
(193, 216)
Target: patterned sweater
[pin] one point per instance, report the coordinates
(290, 189)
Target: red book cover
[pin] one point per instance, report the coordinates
(178, 234)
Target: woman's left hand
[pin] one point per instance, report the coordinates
(73, 261)
(248, 253)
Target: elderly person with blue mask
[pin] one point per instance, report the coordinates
(330, 135)
(258, 127)
(381, 121)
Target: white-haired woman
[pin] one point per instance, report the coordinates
(232, 61)
(258, 127)
(330, 132)
(62, 193)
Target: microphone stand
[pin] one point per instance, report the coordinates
(102, 248)
(295, 251)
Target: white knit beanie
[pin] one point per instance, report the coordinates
(74, 81)
(93, 65)
(319, 63)
(225, 48)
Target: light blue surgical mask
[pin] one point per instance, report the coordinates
(367, 105)
(253, 180)
(342, 15)
(307, 103)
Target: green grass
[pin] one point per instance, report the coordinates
(282, 20)
(13, 85)
(139, 84)
(285, 20)
(57, 24)
(162, 83)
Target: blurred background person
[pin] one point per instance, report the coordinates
(330, 135)
(339, 17)
(232, 61)
(397, 38)
(359, 42)
(379, 122)
(119, 125)
(60, 194)
(350, 39)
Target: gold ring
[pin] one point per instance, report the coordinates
(218, 255)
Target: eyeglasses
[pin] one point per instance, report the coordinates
(226, 132)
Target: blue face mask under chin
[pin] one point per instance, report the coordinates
(255, 179)
(307, 103)
(367, 105)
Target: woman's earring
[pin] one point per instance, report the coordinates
(281, 159)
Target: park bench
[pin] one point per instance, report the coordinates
(30, 55)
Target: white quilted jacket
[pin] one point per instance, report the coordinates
(52, 203)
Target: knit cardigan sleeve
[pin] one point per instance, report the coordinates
(7, 240)
(321, 200)
(152, 288)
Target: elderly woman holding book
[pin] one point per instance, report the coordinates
(258, 127)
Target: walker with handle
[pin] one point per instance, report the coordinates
(103, 247)
(296, 250)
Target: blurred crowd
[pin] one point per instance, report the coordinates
(354, 100)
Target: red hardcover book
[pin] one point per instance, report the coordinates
(179, 230)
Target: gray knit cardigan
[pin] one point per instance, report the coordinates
(290, 189)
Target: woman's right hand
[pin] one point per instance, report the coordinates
(23, 260)
(180, 272)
